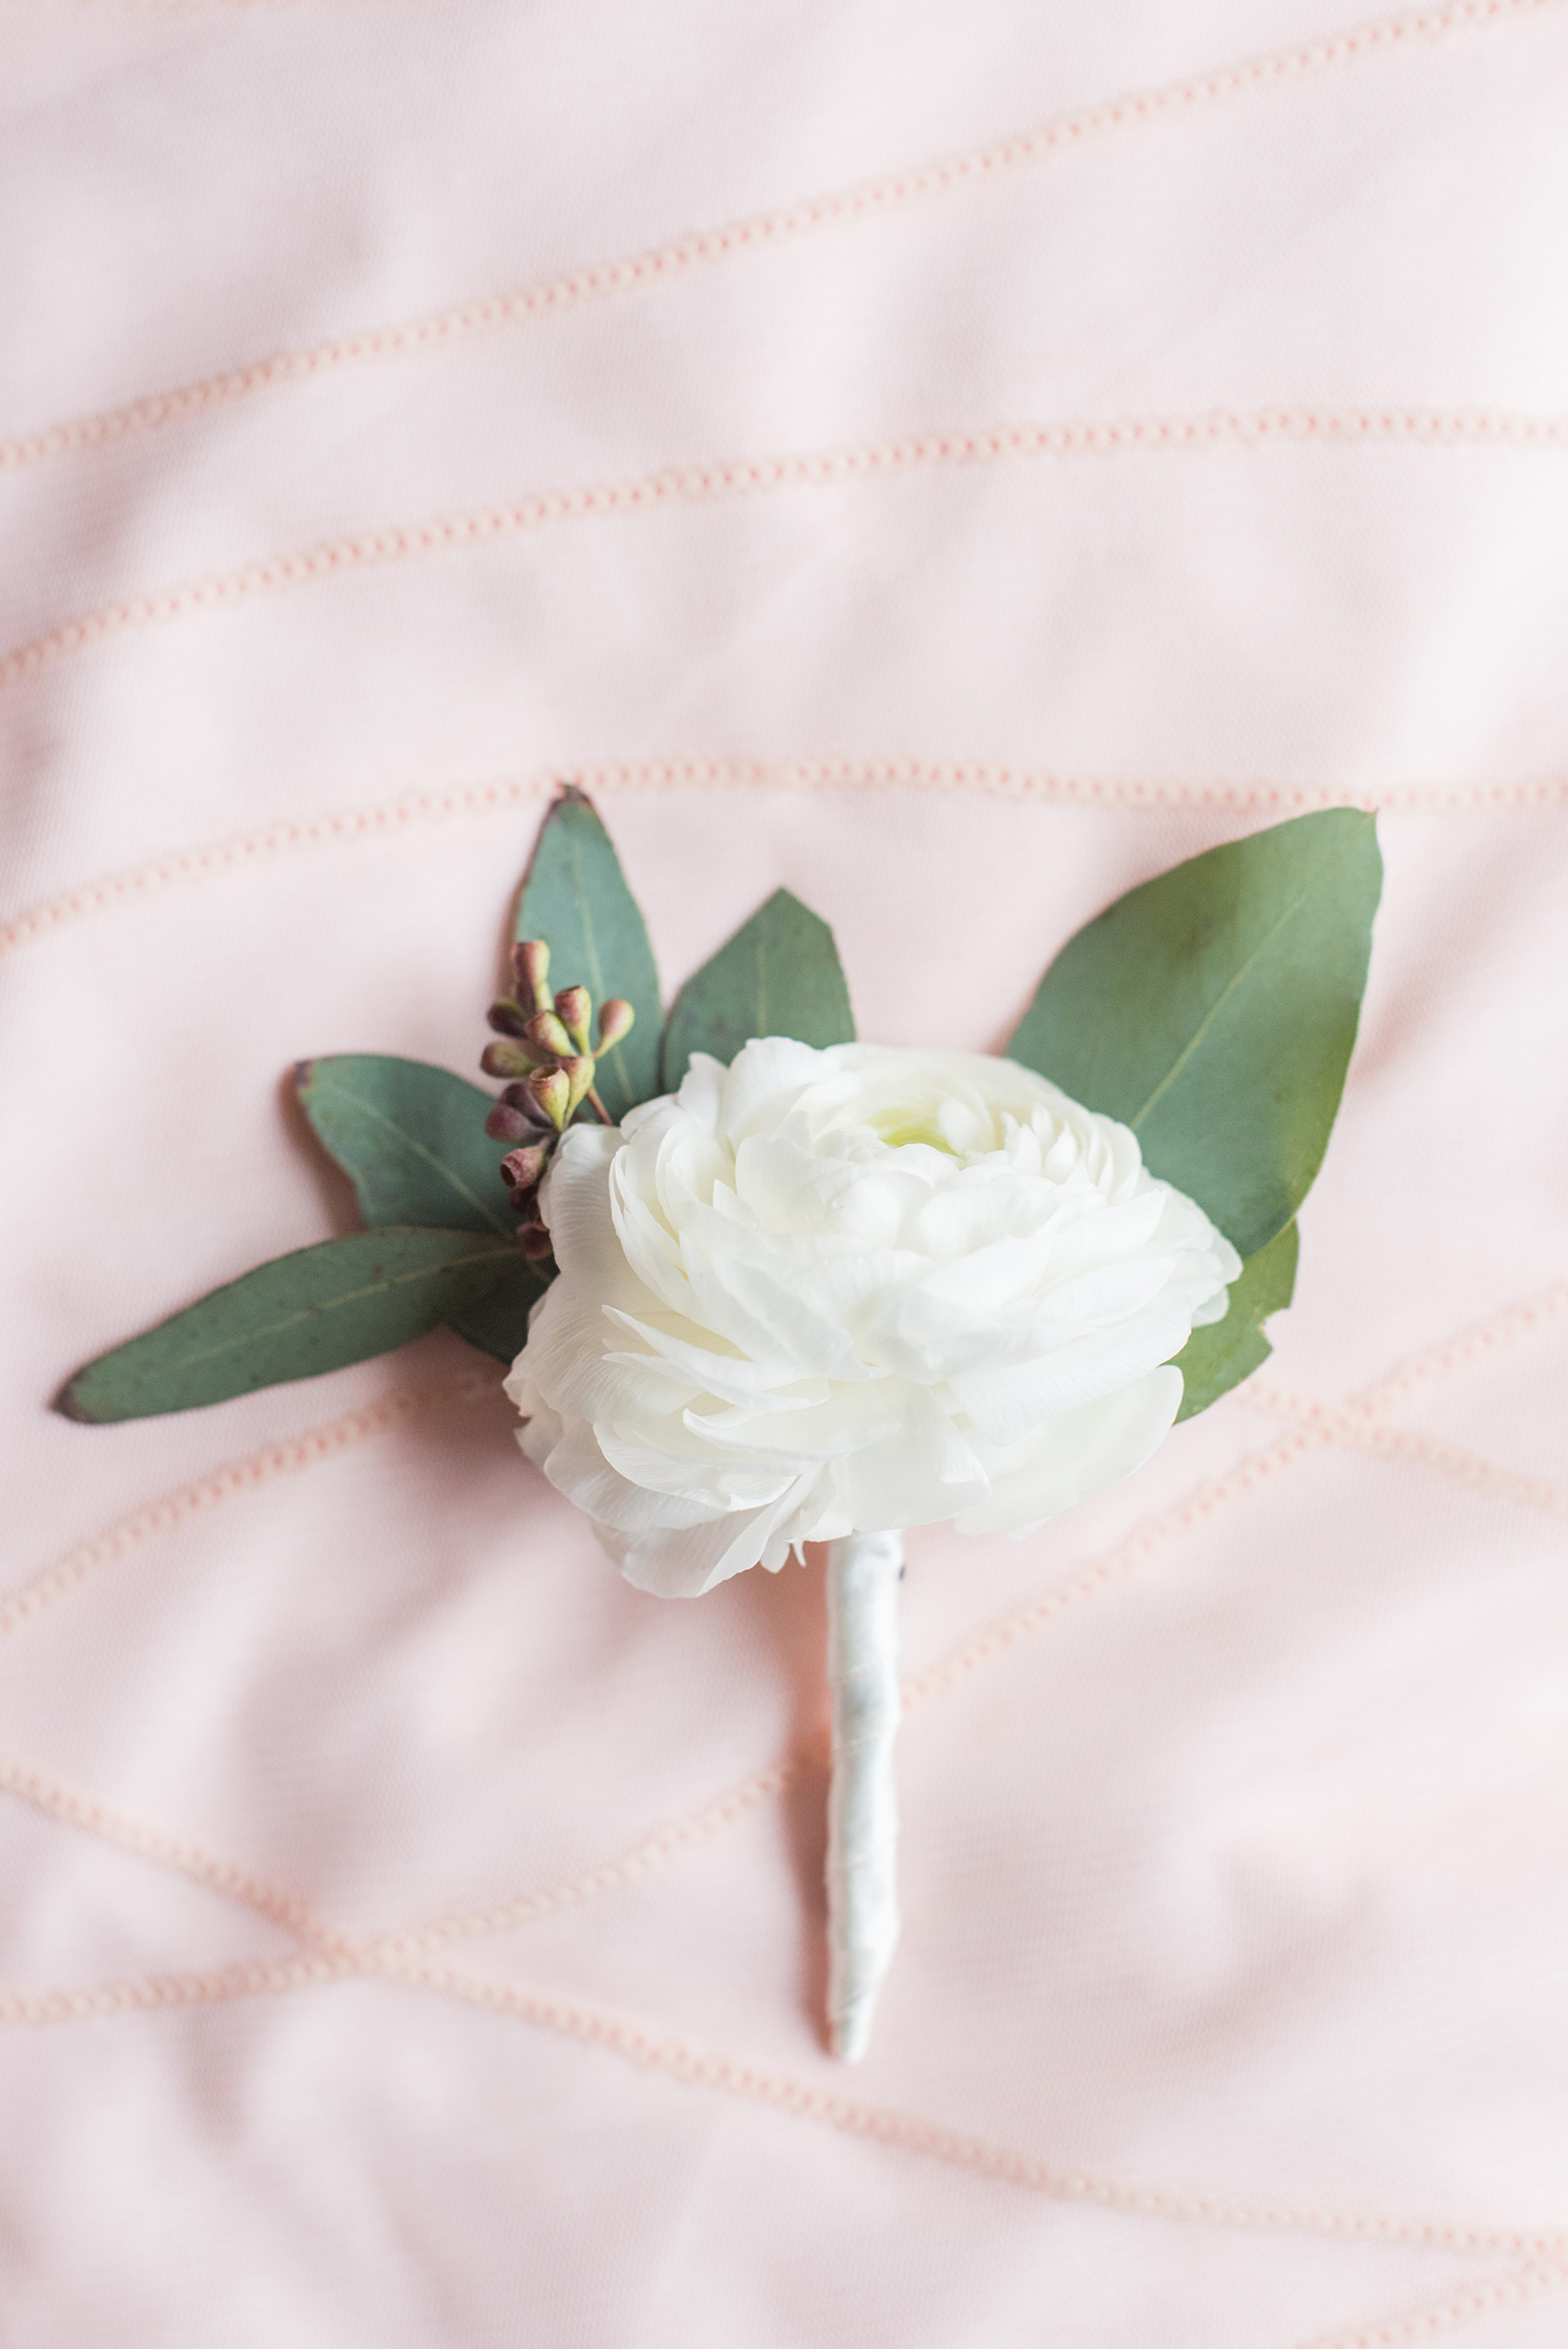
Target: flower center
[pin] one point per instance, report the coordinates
(900, 1128)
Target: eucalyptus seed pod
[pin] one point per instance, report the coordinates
(505, 1124)
(615, 1018)
(530, 961)
(579, 1074)
(574, 1008)
(547, 1034)
(521, 1097)
(520, 1169)
(552, 1089)
(507, 1018)
(536, 1242)
(505, 1059)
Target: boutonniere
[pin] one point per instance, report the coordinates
(761, 1285)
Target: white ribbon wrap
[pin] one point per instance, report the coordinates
(864, 1573)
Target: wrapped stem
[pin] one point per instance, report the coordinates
(864, 1573)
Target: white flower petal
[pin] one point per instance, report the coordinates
(572, 1461)
(574, 1202)
(730, 1375)
(762, 1083)
(1076, 1455)
(683, 1564)
(821, 1292)
(919, 1473)
(1004, 1405)
(567, 1360)
(670, 1457)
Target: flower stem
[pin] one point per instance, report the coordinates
(599, 1109)
(864, 1572)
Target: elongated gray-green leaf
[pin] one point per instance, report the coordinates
(1220, 1355)
(1214, 1010)
(411, 1137)
(318, 1309)
(576, 899)
(780, 975)
(498, 1324)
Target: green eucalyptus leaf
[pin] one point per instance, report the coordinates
(411, 1138)
(780, 975)
(1213, 1010)
(498, 1324)
(1221, 1355)
(576, 899)
(314, 1310)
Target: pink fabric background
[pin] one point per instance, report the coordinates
(408, 1934)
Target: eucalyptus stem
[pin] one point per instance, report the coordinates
(864, 1572)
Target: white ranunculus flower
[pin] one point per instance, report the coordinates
(824, 1293)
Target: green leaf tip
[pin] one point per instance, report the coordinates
(317, 1310)
(1222, 1353)
(68, 1403)
(576, 898)
(780, 975)
(1213, 1009)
